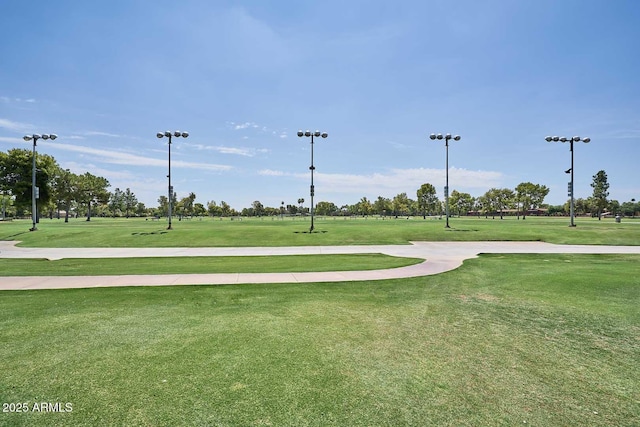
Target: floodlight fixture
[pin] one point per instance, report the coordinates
(446, 138)
(169, 135)
(312, 168)
(571, 140)
(35, 190)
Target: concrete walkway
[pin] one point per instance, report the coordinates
(439, 257)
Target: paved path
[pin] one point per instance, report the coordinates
(439, 257)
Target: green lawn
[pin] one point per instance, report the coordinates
(540, 340)
(135, 232)
(184, 265)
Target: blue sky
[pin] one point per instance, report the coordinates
(379, 76)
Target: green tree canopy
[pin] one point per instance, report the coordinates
(16, 169)
(600, 187)
(427, 199)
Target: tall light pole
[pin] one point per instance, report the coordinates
(570, 186)
(35, 192)
(168, 134)
(312, 168)
(446, 138)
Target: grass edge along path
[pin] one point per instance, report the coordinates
(201, 265)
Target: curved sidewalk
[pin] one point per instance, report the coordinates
(439, 257)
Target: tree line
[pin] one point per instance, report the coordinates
(88, 195)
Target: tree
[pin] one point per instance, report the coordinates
(91, 189)
(226, 209)
(130, 201)
(461, 202)
(326, 208)
(199, 209)
(163, 206)
(213, 209)
(186, 204)
(600, 191)
(116, 201)
(630, 208)
(364, 207)
(400, 204)
(382, 206)
(427, 199)
(257, 208)
(530, 195)
(6, 201)
(66, 189)
(497, 199)
(16, 169)
(504, 199)
(141, 210)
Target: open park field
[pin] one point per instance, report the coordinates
(509, 339)
(274, 231)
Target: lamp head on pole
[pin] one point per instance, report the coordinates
(300, 133)
(432, 136)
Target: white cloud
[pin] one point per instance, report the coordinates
(240, 151)
(396, 181)
(80, 168)
(271, 172)
(8, 100)
(122, 158)
(244, 125)
(11, 140)
(15, 126)
(403, 179)
(98, 133)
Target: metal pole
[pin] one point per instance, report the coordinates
(446, 187)
(169, 189)
(311, 188)
(33, 188)
(572, 205)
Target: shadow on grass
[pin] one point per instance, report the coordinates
(12, 236)
(309, 232)
(149, 234)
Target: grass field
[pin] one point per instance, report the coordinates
(481, 345)
(201, 265)
(135, 232)
(538, 340)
